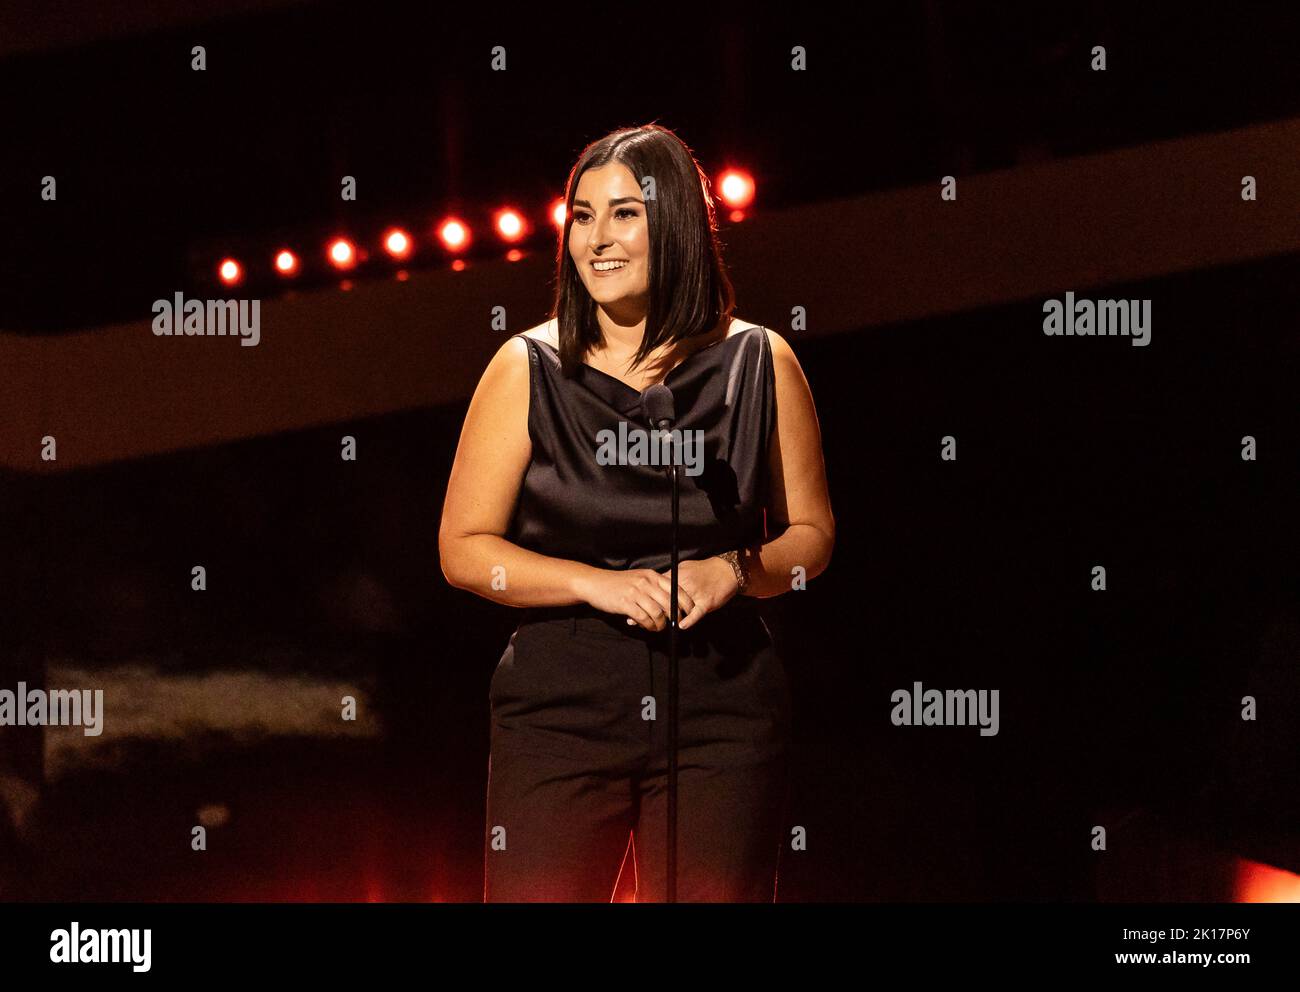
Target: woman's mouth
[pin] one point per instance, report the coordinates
(609, 268)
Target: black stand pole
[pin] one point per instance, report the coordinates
(672, 706)
(657, 402)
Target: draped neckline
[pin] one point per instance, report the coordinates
(671, 372)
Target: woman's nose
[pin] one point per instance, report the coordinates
(596, 239)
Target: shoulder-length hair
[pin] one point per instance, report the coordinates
(690, 293)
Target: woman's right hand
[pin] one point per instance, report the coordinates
(636, 593)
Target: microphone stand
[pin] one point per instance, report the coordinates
(657, 402)
(672, 698)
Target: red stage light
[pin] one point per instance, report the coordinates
(558, 213)
(453, 234)
(736, 188)
(397, 243)
(286, 262)
(230, 271)
(510, 226)
(342, 253)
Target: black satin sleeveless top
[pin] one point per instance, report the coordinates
(619, 516)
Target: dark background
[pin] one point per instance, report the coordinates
(155, 161)
(1116, 708)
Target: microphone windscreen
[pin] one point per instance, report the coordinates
(657, 402)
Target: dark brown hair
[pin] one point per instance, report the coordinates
(690, 293)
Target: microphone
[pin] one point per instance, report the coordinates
(660, 410)
(657, 402)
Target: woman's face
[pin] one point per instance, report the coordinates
(609, 224)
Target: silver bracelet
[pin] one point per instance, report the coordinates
(733, 559)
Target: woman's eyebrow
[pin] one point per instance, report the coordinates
(612, 203)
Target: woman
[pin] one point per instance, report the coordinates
(534, 519)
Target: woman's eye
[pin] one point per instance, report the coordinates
(619, 213)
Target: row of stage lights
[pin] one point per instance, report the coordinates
(735, 189)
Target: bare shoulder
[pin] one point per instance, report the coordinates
(509, 367)
(789, 376)
(512, 356)
(777, 344)
(547, 331)
(739, 326)
(782, 353)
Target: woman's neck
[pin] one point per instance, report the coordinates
(621, 336)
(621, 342)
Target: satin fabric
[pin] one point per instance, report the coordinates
(619, 516)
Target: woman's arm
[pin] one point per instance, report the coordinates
(491, 459)
(800, 508)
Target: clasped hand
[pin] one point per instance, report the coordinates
(644, 595)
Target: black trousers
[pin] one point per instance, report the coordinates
(579, 764)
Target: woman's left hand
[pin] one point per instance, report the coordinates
(703, 585)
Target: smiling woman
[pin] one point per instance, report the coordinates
(533, 518)
(628, 288)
